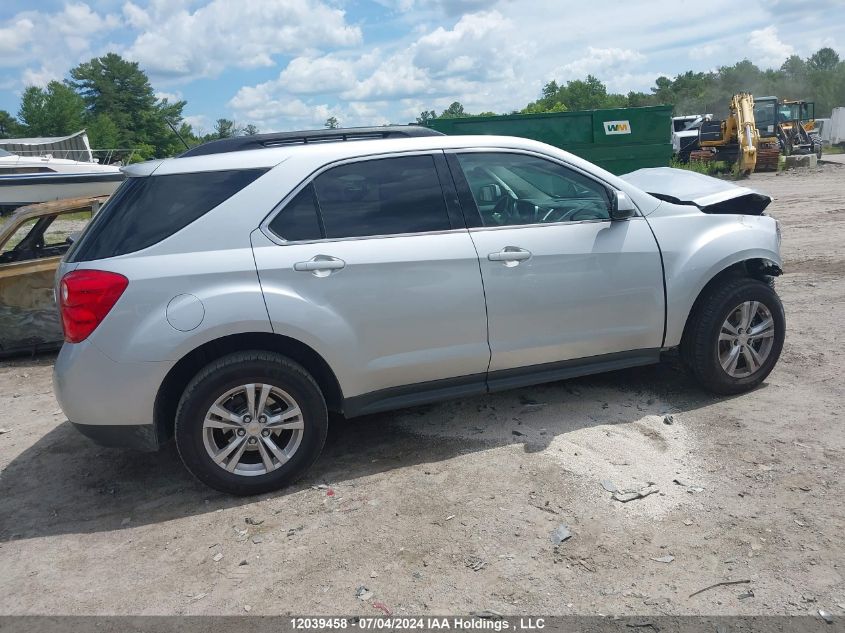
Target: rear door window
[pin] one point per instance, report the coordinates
(144, 211)
(386, 196)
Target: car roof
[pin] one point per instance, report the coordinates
(269, 157)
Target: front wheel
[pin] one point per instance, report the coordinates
(735, 336)
(250, 422)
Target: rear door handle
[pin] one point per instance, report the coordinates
(510, 255)
(320, 265)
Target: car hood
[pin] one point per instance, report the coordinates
(709, 194)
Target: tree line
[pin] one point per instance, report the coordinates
(819, 78)
(112, 99)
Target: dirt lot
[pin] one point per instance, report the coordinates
(448, 509)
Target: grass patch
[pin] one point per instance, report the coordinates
(709, 168)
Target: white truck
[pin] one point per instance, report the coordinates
(685, 134)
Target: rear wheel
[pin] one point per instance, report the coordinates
(735, 337)
(250, 422)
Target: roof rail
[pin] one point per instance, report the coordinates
(281, 139)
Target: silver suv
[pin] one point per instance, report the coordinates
(231, 297)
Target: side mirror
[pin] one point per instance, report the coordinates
(621, 206)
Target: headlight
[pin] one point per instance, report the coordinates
(777, 230)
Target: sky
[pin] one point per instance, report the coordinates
(291, 64)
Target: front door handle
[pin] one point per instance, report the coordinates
(510, 255)
(320, 265)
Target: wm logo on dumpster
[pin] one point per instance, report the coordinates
(617, 127)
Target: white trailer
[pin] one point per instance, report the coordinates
(834, 130)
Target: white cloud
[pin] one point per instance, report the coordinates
(136, 16)
(264, 106)
(462, 63)
(767, 49)
(13, 37)
(199, 122)
(601, 61)
(309, 59)
(479, 46)
(704, 51)
(329, 73)
(221, 34)
(170, 96)
(449, 7)
(45, 45)
(626, 82)
(465, 62)
(40, 77)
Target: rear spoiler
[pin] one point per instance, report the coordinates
(709, 194)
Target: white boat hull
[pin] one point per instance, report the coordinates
(24, 189)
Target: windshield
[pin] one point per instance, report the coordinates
(764, 114)
(682, 125)
(794, 111)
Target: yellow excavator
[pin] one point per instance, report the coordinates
(734, 139)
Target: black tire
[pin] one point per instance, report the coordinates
(227, 373)
(699, 349)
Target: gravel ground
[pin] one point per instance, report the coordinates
(449, 508)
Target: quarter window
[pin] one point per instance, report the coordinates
(387, 196)
(144, 211)
(515, 189)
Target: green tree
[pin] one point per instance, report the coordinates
(332, 123)
(118, 88)
(638, 99)
(249, 130)
(794, 68)
(662, 90)
(9, 126)
(454, 111)
(52, 111)
(224, 128)
(539, 107)
(825, 59)
(426, 116)
(103, 133)
(586, 94)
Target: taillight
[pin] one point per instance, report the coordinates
(85, 298)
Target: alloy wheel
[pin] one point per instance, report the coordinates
(745, 339)
(253, 429)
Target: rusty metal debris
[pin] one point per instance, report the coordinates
(32, 242)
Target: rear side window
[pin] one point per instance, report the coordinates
(382, 197)
(144, 211)
(298, 220)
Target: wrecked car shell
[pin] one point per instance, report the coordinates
(32, 242)
(709, 194)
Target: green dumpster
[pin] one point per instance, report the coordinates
(617, 139)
